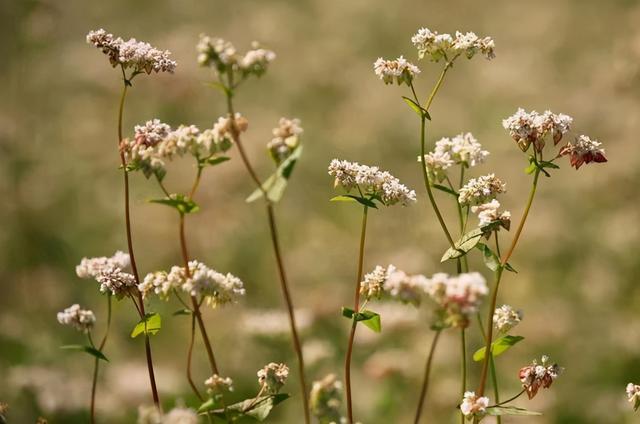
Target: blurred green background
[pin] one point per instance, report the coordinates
(578, 262)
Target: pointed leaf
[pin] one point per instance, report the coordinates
(370, 319)
(275, 185)
(351, 198)
(445, 189)
(491, 260)
(150, 324)
(88, 349)
(467, 242)
(509, 410)
(498, 347)
(180, 202)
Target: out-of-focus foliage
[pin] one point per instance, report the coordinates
(62, 197)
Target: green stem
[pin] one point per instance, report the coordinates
(492, 368)
(134, 268)
(96, 364)
(494, 296)
(356, 308)
(463, 364)
(425, 378)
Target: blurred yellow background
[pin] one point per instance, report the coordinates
(578, 262)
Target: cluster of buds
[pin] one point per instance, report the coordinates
(457, 296)
(326, 399)
(633, 394)
(80, 319)
(225, 59)
(463, 149)
(218, 385)
(285, 139)
(445, 46)
(488, 213)
(537, 375)
(110, 272)
(478, 191)
(272, 377)
(214, 288)
(474, 407)
(138, 55)
(528, 128)
(398, 70)
(505, 318)
(370, 181)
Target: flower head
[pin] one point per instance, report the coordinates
(371, 286)
(216, 384)
(272, 377)
(528, 128)
(439, 46)
(216, 288)
(91, 267)
(473, 406)
(488, 213)
(138, 55)
(403, 287)
(481, 190)
(285, 139)
(583, 150)
(633, 394)
(505, 318)
(80, 319)
(326, 399)
(457, 296)
(116, 282)
(371, 182)
(223, 56)
(537, 375)
(256, 60)
(398, 70)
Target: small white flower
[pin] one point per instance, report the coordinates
(371, 182)
(117, 282)
(80, 319)
(217, 289)
(473, 406)
(285, 139)
(217, 384)
(256, 61)
(272, 377)
(91, 267)
(439, 46)
(481, 190)
(528, 128)
(505, 318)
(488, 213)
(633, 394)
(398, 70)
(371, 286)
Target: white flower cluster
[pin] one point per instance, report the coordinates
(178, 415)
(326, 399)
(528, 128)
(463, 149)
(403, 287)
(155, 142)
(216, 288)
(583, 150)
(457, 296)
(371, 182)
(371, 286)
(224, 57)
(216, 384)
(285, 139)
(80, 319)
(506, 318)
(140, 56)
(633, 394)
(91, 267)
(537, 375)
(272, 377)
(488, 213)
(481, 190)
(399, 70)
(439, 46)
(473, 406)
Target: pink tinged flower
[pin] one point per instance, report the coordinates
(473, 405)
(583, 150)
(537, 375)
(633, 394)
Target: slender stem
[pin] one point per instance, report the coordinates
(435, 89)
(492, 367)
(189, 357)
(505, 258)
(356, 307)
(134, 268)
(96, 364)
(196, 183)
(425, 379)
(463, 364)
(511, 399)
(235, 133)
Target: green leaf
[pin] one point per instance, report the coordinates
(498, 347)
(491, 260)
(213, 161)
(548, 164)
(445, 189)
(351, 198)
(531, 168)
(347, 312)
(184, 311)
(370, 319)
(275, 185)
(508, 267)
(509, 410)
(417, 108)
(467, 242)
(150, 324)
(257, 408)
(88, 349)
(180, 202)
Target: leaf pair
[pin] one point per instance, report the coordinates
(183, 204)
(369, 318)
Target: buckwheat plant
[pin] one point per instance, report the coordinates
(444, 169)
(367, 186)
(230, 70)
(133, 58)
